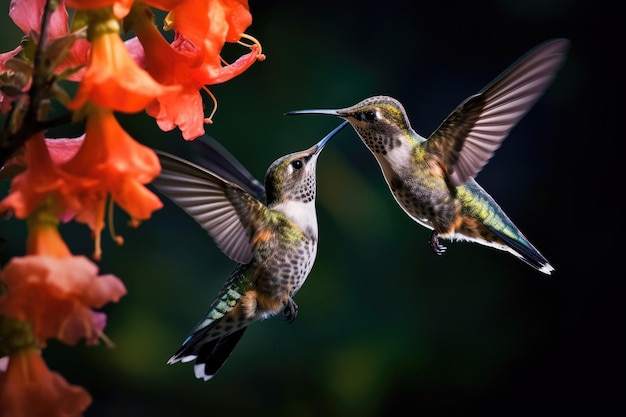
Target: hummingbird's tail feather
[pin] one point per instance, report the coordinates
(213, 355)
(480, 206)
(209, 356)
(526, 252)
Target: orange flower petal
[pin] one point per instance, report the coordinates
(26, 14)
(114, 81)
(173, 65)
(30, 389)
(54, 293)
(238, 18)
(183, 109)
(41, 179)
(119, 165)
(213, 72)
(211, 23)
(91, 213)
(63, 149)
(136, 199)
(77, 58)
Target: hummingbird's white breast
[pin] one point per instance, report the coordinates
(302, 214)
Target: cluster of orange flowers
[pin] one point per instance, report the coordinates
(50, 292)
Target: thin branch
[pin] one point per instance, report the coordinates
(39, 91)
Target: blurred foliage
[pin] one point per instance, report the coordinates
(384, 324)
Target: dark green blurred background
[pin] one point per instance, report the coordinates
(384, 324)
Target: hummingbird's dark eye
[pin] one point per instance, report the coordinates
(369, 115)
(297, 164)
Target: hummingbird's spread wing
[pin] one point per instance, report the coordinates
(221, 207)
(214, 157)
(468, 138)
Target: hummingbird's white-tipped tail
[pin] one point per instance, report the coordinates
(519, 247)
(209, 355)
(183, 359)
(534, 259)
(198, 370)
(547, 269)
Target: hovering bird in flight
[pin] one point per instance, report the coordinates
(432, 179)
(270, 230)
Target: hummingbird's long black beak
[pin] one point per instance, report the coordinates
(328, 112)
(320, 145)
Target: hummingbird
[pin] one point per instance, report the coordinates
(432, 179)
(269, 229)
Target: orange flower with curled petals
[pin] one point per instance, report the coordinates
(112, 163)
(56, 295)
(228, 19)
(42, 178)
(190, 62)
(29, 389)
(112, 79)
(190, 18)
(171, 66)
(209, 25)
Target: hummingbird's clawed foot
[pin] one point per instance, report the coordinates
(437, 247)
(290, 311)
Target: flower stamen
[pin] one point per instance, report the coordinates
(209, 120)
(251, 38)
(134, 223)
(116, 238)
(107, 341)
(254, 41)
(97, 250)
